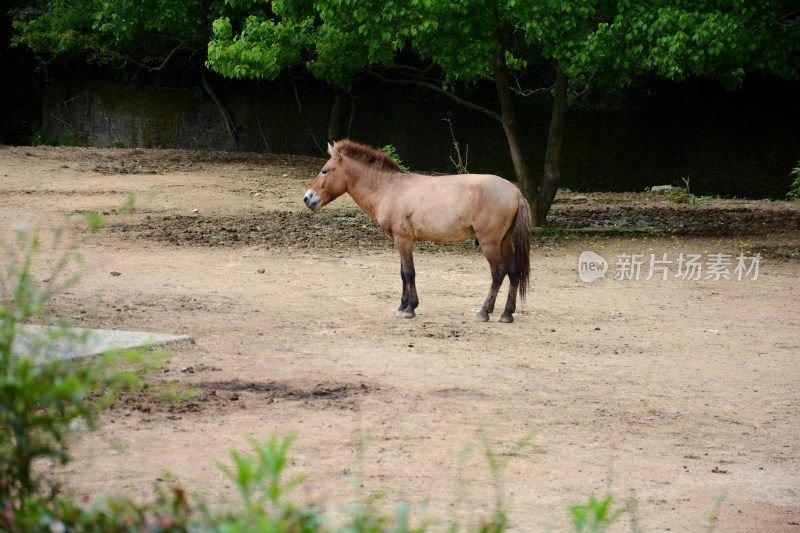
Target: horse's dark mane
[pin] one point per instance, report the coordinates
(367, 155)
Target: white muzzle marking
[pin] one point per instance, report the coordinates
(312, 200)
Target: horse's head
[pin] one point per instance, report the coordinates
(329, 183)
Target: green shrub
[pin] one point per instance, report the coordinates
(392, 151)
(170, 513)
(70, 138)
(42, 399)
(794, 188)
(679, 195)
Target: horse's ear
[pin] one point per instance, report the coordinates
(333, 152)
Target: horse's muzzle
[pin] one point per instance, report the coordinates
(312, 200)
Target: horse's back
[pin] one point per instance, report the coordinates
(460, 186)
(496, 188)
(455, 207)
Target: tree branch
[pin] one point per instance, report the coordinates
(226, 117)
(588, 88)
(435, 88)
(302, 116)
(163, 63)
(530, 92)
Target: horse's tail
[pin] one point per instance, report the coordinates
(522, 245)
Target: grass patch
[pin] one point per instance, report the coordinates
(613, 200)
(174, 394)
(782, 252)
(70, 138)
(610, 230)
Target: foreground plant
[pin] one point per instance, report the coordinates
(43, 400)
(594, 516)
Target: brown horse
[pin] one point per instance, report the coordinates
(412, 207)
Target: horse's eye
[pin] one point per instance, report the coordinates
(324, 173)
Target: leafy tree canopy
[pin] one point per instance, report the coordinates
(718, 39)
(147, 33)
(333, 39)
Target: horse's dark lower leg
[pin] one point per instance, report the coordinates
(409, 300)
(498, 273)
(514, 276)
(511, 303)
(404, 297)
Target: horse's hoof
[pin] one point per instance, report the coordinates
(399, 313)
(482, 316)
(408, 314)
(507, 318)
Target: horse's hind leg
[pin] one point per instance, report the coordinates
(498, 273)
(513, 285)
(498, 267)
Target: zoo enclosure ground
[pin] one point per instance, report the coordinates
(678, 390)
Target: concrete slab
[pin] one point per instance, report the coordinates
(38, 342)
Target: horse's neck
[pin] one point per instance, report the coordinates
(367, 185)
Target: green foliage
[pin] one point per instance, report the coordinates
(261, 50)
(67, 139)
(42, 398)
(96, 220)
(392, 151)
(332, 39)
(460, 37)
(679, 195)
(609, 42)
(595, 516)
(265, 506)
(148, 34)
(794, 188)
(258, 478)
(170, 513)
(175, 395)
(714, 39)
(129, 205)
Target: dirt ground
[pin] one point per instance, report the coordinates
(674, 391)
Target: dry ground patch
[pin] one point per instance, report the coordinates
(680, 390)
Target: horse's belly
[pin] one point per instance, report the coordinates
(445, 229)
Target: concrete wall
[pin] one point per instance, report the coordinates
(724, 150)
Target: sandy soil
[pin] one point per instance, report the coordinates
(676, 391)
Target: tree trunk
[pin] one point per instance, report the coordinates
(340, 113)
(509, 121)
(552, 158)
(223, 111)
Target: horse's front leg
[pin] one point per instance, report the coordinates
(409, 300)
(404, 298)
